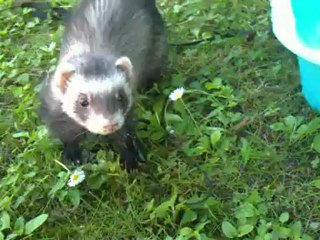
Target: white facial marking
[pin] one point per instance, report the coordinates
(95, 86)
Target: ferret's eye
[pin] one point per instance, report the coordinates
(84, 103)
(119, 97)
(83, 100)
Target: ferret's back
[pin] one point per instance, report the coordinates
(132, 28)
(111, 25)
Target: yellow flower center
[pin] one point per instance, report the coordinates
(178, 94)
(75, 177)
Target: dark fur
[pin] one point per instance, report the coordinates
(132, 28)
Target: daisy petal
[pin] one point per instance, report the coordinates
(76, 177)
(176, 94)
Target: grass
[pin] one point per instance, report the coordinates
(248, 168)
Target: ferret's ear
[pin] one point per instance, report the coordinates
(63, 74)
(124, 64)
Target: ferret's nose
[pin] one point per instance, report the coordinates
(110, 127)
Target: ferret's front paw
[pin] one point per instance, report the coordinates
(130, 160)
(72, 155)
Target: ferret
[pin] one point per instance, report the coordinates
(110, 50)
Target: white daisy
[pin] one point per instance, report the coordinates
(76, 177)
(176, 94)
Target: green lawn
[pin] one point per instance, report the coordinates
(237, 157)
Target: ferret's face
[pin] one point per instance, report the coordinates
(99, 104)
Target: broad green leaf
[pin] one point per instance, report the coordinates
(254, 197)
(177, 8)
(31, 24)
(30, 174)
(162, 210)
(158, 106)
(279, 126)
(316, 143)
(150, 205)
(268, 236)
(4, 221)
(74, 196)
(215, 84)
(315, 183)
(245, 150)
(292, 123)
(188, 216)
(59, 184)
(185, 232)
(35, 223)
(61, 195)
(283, 232)
(262, 228)
(195, 31)
(296, 229)
(19, 225)
(315, 163)
(308, 129)
(1, 236)
(284, 217)
(12, 236)
(244, 230)
(23, 78)
(21, 135)
(218, 83)
(229, 230)
(215, 137)
(259, 238)
(96, 180)
(245, 211)
(157, 135)
(201, 225)
(203, 236)
(173, 117)
(5, 202)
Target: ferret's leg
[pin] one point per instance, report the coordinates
(129, 146)
(72, 152)
(130, 151)
(70, 135)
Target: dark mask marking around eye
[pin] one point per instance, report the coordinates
(81, 107)
(122, 99)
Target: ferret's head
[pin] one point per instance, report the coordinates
(95, 92)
